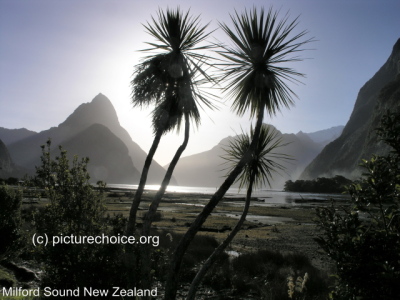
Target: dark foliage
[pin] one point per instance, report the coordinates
(265, 274)
(76, 208)
(337, 184)
(10, 221)
(364, 240)
(10, 181)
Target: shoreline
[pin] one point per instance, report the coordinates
(278, 227)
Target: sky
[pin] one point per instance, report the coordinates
(58, 54)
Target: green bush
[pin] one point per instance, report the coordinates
(364, 239)
(10, 221)
(75, 208)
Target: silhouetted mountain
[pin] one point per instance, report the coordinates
(9, 136)
(109, 156)
(358, 139)
(208, 168)
(109, 136)
(202, 169)
(101, 111)
(325, 136)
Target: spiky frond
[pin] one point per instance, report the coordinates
(150, 81)
(174, 71)
(254, 65)
(265, 161)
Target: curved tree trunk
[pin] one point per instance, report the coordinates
(145, 249)
(130, 258)
(131, 226)
(217, 252)
(172, 279)
(157, 199)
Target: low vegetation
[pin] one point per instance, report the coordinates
(364, 239)
(10, 225)
(337, 184)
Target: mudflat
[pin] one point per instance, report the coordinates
(283, 228)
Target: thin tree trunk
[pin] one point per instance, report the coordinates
(217, 252)
(156, 201)
(131, 226)
(146, 249)
(172, 279)
(130, 259)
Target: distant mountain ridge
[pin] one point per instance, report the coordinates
(93, 131)
(208, 169)
(358, 139)
(9, 136)
(325, 136)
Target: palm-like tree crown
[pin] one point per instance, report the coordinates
(254, 64)
(171, 77)
(265, 159)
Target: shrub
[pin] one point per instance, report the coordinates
(266, 274)
(364, 239)
(10, 221)
(75, 208)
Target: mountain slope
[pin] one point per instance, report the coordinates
(106, 150)
(358, 139)
(208, 168)
(26, 152)
(7, 166)
(101, 111)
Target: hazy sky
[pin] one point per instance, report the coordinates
(56, 55)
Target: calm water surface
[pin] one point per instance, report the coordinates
(266, 197)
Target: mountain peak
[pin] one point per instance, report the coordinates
(101, 98)
(99, 110)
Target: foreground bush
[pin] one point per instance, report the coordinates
(10, 221)
(75, 208)
(364, 239)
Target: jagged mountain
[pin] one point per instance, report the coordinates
(92, 130)
(358, 139)
(9, 136)
(101, 111)
(208, 168)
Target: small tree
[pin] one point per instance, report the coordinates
(75, 208)
(364, 239)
